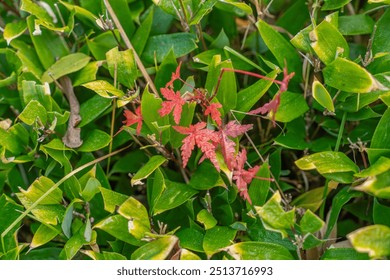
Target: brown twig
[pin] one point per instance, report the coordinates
(72, 136)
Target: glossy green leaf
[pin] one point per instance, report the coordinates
(249, 96)
(227, 91)
(67, 221)
(74, 244)
(380, 41)
(174, 195)
(150, 104)
(104, 89)
(310, 222)
(13, 30)
(104, 256)
(274, 217)
(322, 96)
(93, 108)
(153, 163)
(334, 4)
(94, 140)
(380, 166)
(343, 254)
(156, 250)
(204, 217)
(91, 189)
(136, 213)
(121, 64)
(356, 24)
(206, 177)
(39, 187)
(191, 239)
(118, 226)
(43, 235)
(374, 240)
(64, 66)
(348, 76)
(112, 199)
(83, 13)
(218, 238)
(122, 11)
(203, 9)
(36, 10)
(86, 74)
(378, 185)
(302, 41)
(142, 33)
(155, 187)
(381, 213)
(328, 43)
(328, 163)
(312, 199)
(34, 112)
(14, 139)
(380, 137)
(259, 188)
(238, 5)
(158, 46)
(292, 105)
(341, 198)
(281, 49)
(252, 250)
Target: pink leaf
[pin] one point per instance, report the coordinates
(212, 110)
(269, 107)
(174, 77)
(174, 102)
(132, 118)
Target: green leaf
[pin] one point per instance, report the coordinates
(191, 239)
(348, 76)
(188, 255)
(92, 109)
(374, 240)
(356, 24)
(334, 4)
(252, 250)
(380, 137)
(156, 250)
(378, 185)
(240, 6)
(39, 187)
(83, 13)
(227, 91)
(91, 189)
(204, 217)
(36, 10)
(155, 187)
(258, 189)
(158, 46)
(292, 106)
(218, 238)
(343, 254)
(378, 167)
(118, 226)
(322, 96)
(249, 96)
(310, 223)
(104, 89)
(312, 199)
(274, 217)
(13, 30)
(33, 111)
(174, 195)
(43, 235)
(64, 66)
(302, 41)
(206, 177)
(380, 43)
(142, 33)
(112, 199)
(122, 11)
(150, 104)
(381, 213)
(74, 244)
(203, 9)
(94, 140)
(328, 43)
(379, 1)
(329, 164)
(341, 198)
(67, 221)
(153, 163)
(281, 49)
(121, 64)
(136, 213)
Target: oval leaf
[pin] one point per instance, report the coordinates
(253, 250)
(322, 96)
(156, 250)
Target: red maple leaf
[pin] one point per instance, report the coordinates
(174, 102)
(213, 111)
(232, 129)
(132, 118)
(243, 177)
(175, 76)
(269, 107)
(200, 136)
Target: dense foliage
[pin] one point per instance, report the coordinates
(194, 129)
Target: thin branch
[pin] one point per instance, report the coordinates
(130, 46)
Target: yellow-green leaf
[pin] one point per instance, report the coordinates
(374, 240)
(322, 96)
